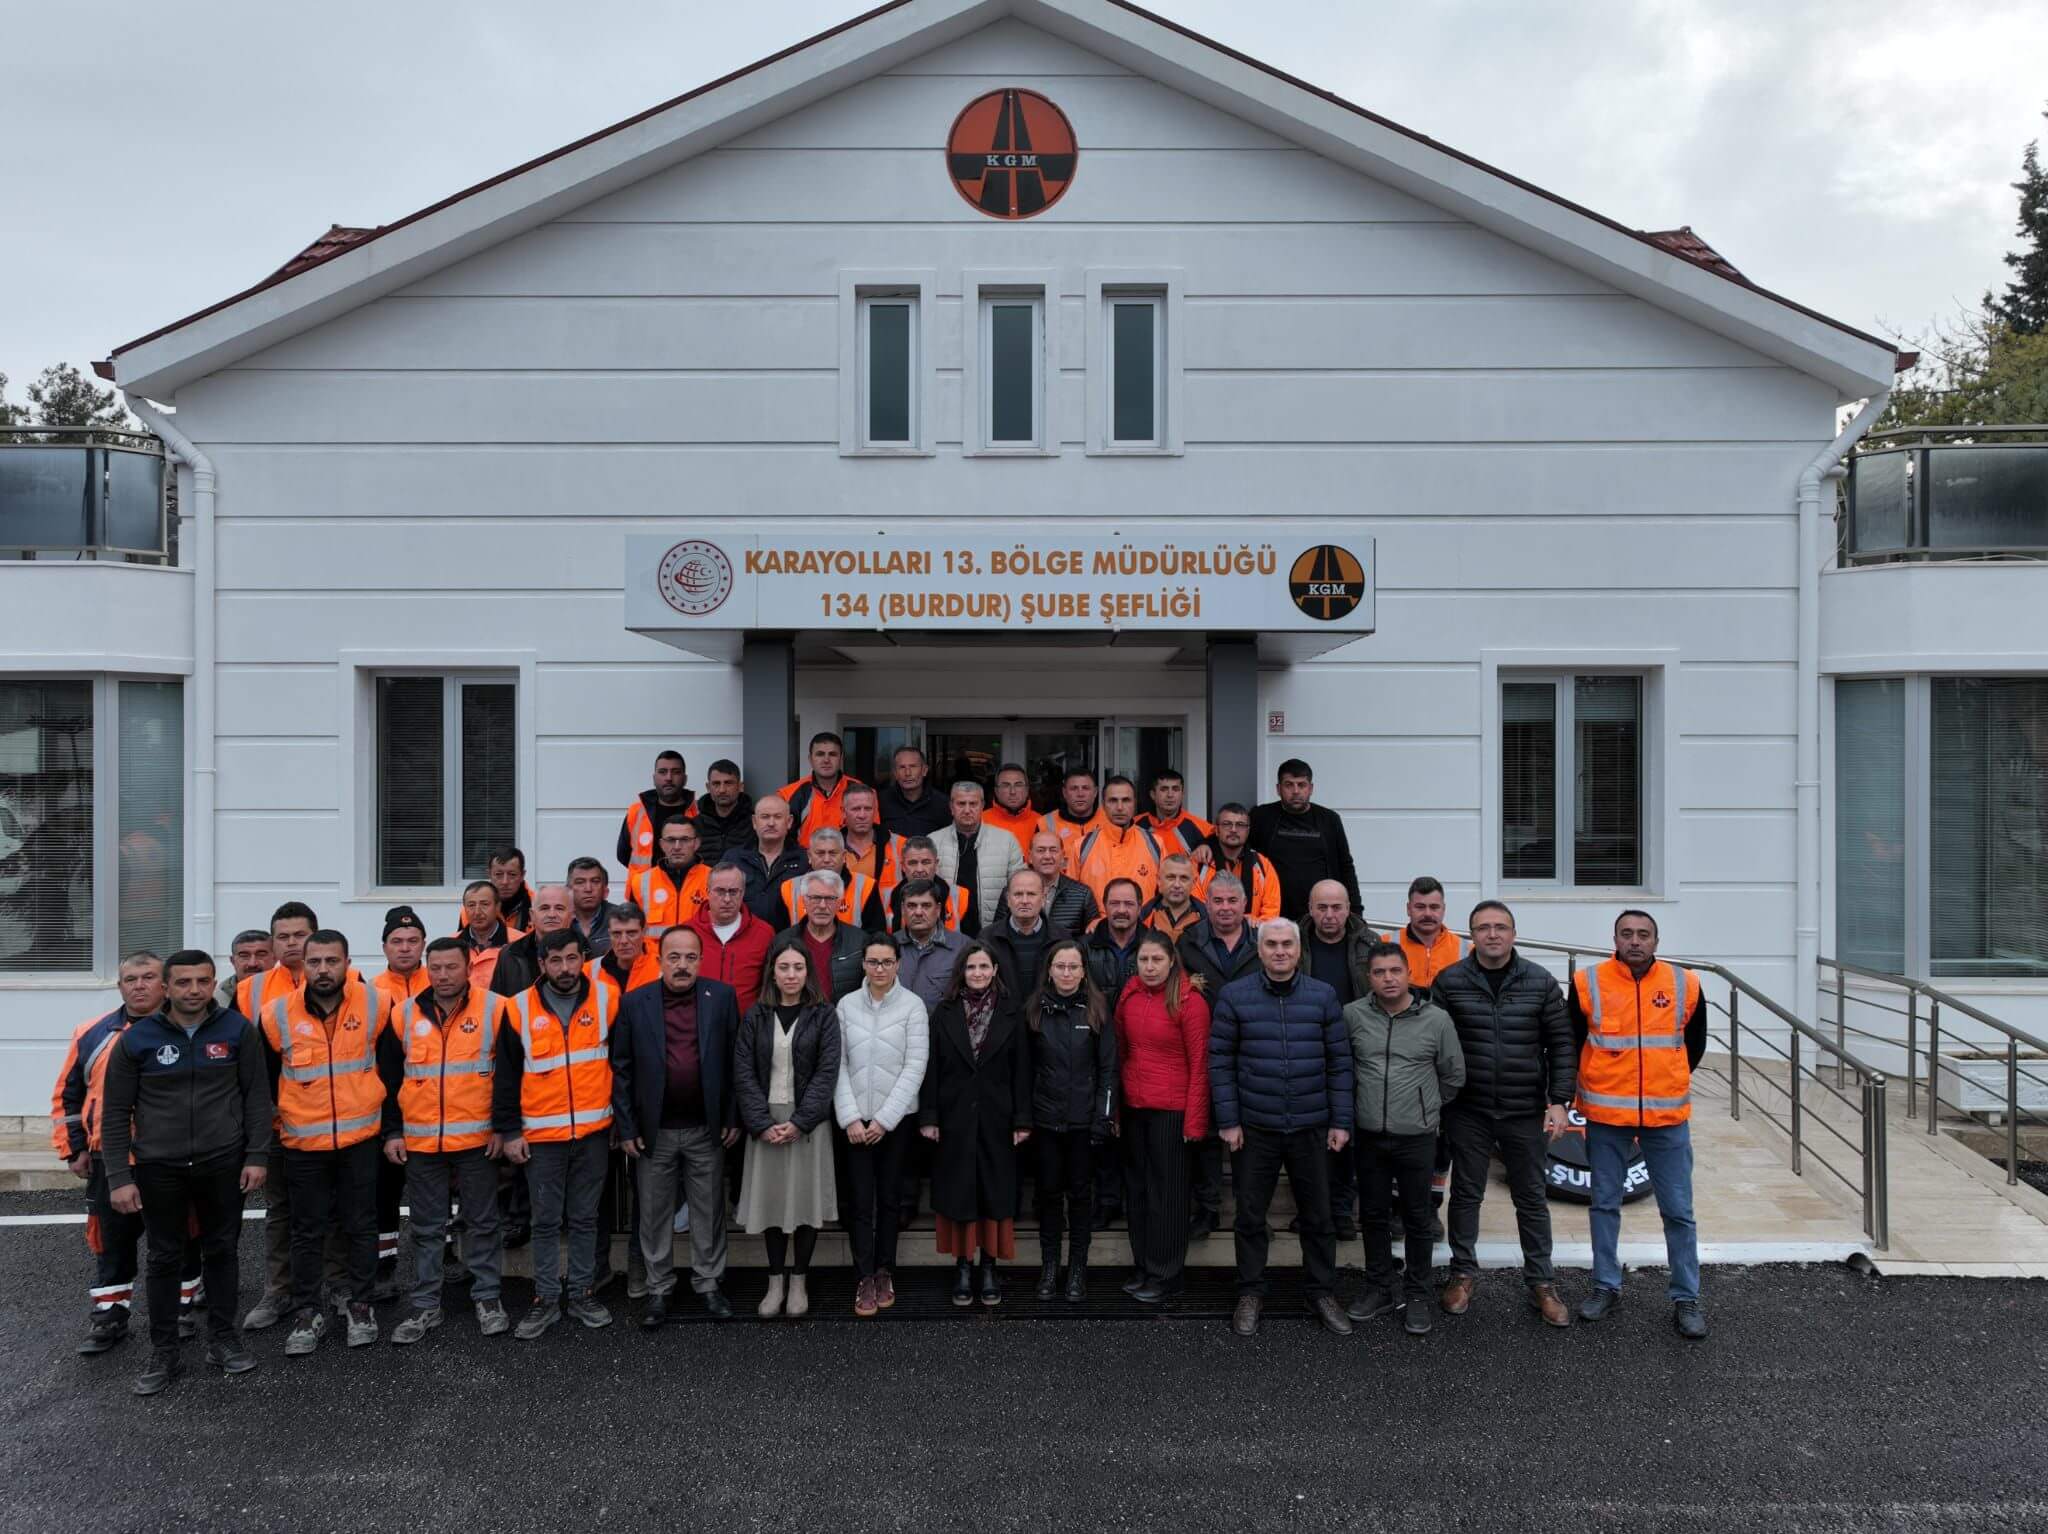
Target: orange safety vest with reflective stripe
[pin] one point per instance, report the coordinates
(667, 904)
(1256, 873)
(259, 991)
(444, 1102)
(566, 1091)
(1107, 853)
(640, 836)
(1425, 964)
(329, 1095)
(1067, 831)
(1183, 833)
(645, 970)
(1633, 1070)
(87, 1119)
(853, 898)
(951, 914)
(1022, 824)
(811, 809)
(396, 991)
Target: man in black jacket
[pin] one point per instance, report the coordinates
(771, 857)
(1218, 949)
(725, 814)
(1304, 842)
(1521, 1068)
(188, 1094)
(518, 966)
(910, 806)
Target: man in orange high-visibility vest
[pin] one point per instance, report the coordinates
(1641, 1024)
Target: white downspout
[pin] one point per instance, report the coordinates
(1806, 784)
(200, 922)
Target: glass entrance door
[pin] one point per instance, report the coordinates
(975, 750)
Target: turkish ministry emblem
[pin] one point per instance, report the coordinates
(1011, 153)
(168, 1054)
(695, 577)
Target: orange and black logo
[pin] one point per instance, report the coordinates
(1011, 153)
(1326, 582)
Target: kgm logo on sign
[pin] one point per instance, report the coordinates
(695, 577)
(1327, 582)
(1011, 153)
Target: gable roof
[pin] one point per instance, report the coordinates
(351, 266)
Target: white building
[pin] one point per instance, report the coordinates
(1569, 456)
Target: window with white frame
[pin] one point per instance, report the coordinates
(445, 754)
(1012, 370)
(91, 783)
(1572, 764)
(1941, 824)
(1135, 335)
(888, 403)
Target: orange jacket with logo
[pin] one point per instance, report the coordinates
(258, 991)
(1107, 853)
(329, 1093)
(644, 970)
(1183, 833)
(1633, 1067)
(667, 904)
(444, 1100)
(564, 1073)
(1068, 831)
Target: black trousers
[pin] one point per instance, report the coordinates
(173, 1196)
(1066, 1191)
(1382, 1160)
(1343, 1185)
(874, 1179)
(116, 1240)
(1255, 1173)
(390, 1194)
(1156, 1152)
(333, 1190)
(1474, 1137)
(1205, 1174)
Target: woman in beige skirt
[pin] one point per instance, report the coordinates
(785, 1066)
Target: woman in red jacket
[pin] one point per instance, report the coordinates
(1162, 1041)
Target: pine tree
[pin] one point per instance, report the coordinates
(2024, 308)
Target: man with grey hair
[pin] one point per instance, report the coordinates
(975, 858)
(835, 945)
(519, 961)
(1280, 1082)
(860, 897)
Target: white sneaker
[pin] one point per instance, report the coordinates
(682, 1221)
(799, 1300)
(771, 1302)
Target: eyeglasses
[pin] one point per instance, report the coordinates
(880, 963)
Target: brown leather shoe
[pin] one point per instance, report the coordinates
(1331, 1314)
(1457, 1295)
(1544, 1301)
(1245, 1319)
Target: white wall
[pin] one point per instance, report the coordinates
(1547, 463)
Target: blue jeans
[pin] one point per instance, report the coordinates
(1667, 1151)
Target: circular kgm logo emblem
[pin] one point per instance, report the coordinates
(695, 577)
(1326, 582)
(1011, 153)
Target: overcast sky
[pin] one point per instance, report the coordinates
(162, 156)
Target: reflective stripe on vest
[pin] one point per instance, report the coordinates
(552, 1066)
(452, 1127)
(294, 1123)
(1653, 1063)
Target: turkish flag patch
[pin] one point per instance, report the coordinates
(217, 1051)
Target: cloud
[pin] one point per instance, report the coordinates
(1858, 164)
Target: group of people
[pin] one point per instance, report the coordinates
(866, 990)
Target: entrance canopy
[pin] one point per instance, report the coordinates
(1299, 589)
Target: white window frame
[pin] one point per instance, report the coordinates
(1104, 286)
(103, 962)
(358, 746)
(1156, 302)
(1659, 671)
(980, 290)
(864, 373)
(856, 288)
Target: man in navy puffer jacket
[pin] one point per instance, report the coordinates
(1280, 1090)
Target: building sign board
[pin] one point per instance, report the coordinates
(1308, 577)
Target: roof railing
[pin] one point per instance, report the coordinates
(76, 493)
(1919, 494)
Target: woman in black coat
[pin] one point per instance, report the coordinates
(1073, 1093)
(785, 1062)
(976, 1104)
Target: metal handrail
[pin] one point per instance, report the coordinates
(1937, 999)
(1868, 1104)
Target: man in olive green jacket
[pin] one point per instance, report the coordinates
(1406, 1064)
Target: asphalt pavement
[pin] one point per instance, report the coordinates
(1823, 1400)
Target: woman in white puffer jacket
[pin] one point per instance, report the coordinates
(885, 1041)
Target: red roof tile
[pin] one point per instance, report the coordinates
(339, 237)
(1687, 246)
